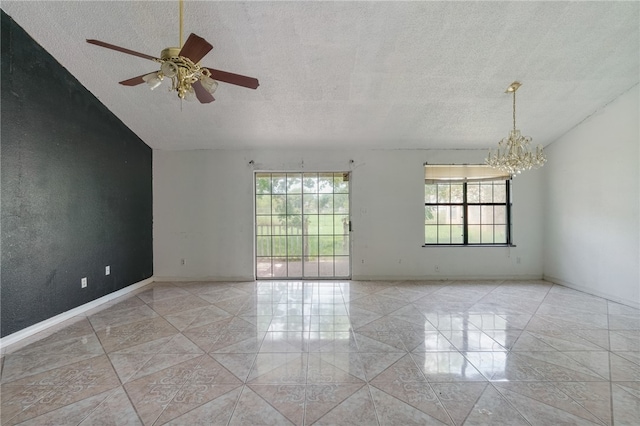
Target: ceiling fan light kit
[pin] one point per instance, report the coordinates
(181, 65)
(153, 80)
(183, 74)
(514, 154)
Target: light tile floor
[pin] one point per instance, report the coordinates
(333, 353)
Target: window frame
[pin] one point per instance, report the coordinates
(465, 210)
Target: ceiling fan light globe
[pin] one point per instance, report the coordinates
(169, 69)
(153, 80)
(190, 95)
(209, 84)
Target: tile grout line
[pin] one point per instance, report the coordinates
(67, 382)
(529, 321)
(548, 381)
(511, 404)
(611, 402)
(373, 401)
(306, 388)
(487, 383)
(179, 333)
(366, 376)
(245, 380)
(135, 410)
(426, 381)
(185, 382)
(235, 406)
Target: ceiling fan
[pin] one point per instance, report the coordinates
(181, 65)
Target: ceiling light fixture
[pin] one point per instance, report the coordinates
(182, 71)
(514, 153)
(182, 66)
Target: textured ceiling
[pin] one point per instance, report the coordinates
(352, 74)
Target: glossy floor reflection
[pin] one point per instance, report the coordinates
(333, 353)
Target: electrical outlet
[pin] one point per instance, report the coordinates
(182, 262)
(107, 270)
(518, 260)
(437, 268)
(83, 282)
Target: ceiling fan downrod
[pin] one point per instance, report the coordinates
(181, 7)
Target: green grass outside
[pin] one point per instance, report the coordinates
(326, 236)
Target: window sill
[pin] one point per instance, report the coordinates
(469, 245)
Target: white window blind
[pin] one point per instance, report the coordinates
(434, 173)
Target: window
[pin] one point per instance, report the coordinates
(466, 205)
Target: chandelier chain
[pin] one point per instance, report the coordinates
(514, 110)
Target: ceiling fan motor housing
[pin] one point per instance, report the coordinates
(170, 52)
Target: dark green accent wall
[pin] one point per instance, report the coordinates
(76, 190)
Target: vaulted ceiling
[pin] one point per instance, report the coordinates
(400, 75)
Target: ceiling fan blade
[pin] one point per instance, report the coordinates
(237, 79)
(121, 49)
(133, 81)
(195, 48)
(201, 93)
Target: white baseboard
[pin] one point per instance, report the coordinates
(608, 296)
(200, 279)
(441, 277)
(43, 325)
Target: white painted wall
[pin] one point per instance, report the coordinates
(203, 213)
(592, 204)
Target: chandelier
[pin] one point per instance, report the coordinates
(182, 71)
(514, 153)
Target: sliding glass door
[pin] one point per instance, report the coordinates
(302, 225)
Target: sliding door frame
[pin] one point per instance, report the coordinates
(347, 228)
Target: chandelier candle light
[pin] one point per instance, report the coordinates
(514, 153)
